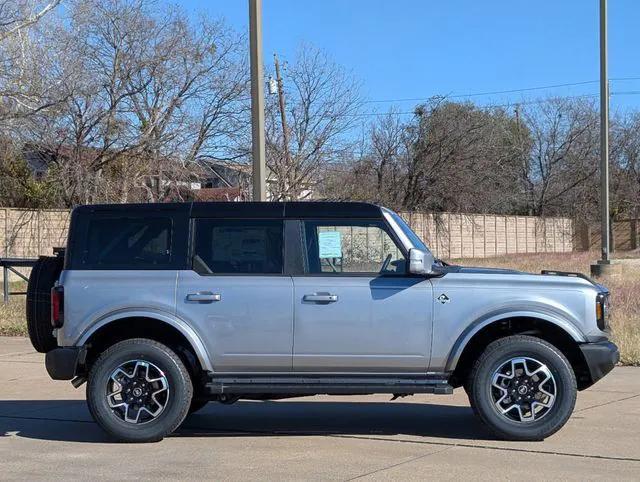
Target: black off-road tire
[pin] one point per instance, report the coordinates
(494, 356)
(179, 383)
(467, 389)
(42, 278)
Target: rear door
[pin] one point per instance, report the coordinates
(121, 258)
(238, 296)
(356, 309)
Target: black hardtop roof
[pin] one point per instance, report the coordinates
(290, 209)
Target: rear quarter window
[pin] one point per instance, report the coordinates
(128, 243)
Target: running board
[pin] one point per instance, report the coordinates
(325, 385)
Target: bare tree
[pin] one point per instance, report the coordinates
(374, 170)
(25, 88)
(129, 100)
(18, 15)
(322, 101)
(387, 145)
(458, 157)
(563, 156)
(625, 166)
(448, 156)
(148, 95)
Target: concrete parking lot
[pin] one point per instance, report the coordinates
(48, 433)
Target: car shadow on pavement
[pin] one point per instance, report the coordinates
(59, 420)
(334, 418)
(69, 420)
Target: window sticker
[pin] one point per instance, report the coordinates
(330, 244)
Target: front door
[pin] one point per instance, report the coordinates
(237, 296)
(356, 309)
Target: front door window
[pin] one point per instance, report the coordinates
(351, 248)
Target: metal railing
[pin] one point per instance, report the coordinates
(10, 265)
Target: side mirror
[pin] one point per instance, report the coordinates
(420, 262)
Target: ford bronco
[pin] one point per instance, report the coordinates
(162, 308)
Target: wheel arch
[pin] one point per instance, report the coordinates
(161, 327)
(563, 335)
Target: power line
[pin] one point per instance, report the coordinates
(496, 92)
(495, 106)
(619, 79)
(479, 94)
(487, 106)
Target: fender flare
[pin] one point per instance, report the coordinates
(161, 316)
(467, 335)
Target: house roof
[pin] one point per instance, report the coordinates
(231, 173)
(219, 194)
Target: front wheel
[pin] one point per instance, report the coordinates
(139, 390)
(522, 388)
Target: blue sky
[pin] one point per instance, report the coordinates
(416, 49)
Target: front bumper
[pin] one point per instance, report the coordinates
(63, 363)
(600, 357)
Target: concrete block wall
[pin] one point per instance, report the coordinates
(455, 236)
(29, 233)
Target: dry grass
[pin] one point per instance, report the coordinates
(12, 315)
(12, 321)
(625, 292)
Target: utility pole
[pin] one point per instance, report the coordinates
(257, 101)
(604, 134)
(283, 117)
(604, 266)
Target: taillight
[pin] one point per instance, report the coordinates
(57, 306)
(602, 310)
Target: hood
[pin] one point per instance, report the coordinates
(546, 273)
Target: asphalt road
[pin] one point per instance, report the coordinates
(47, 432)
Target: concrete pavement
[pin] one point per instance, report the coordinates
(46, 432)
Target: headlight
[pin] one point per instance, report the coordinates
(602, 310)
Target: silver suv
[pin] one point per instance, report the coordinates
(162, 308)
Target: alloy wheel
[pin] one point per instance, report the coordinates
(523, 389)
(137, 391)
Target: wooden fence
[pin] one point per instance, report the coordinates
(625, 234)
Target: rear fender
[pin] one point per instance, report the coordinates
(163, 317)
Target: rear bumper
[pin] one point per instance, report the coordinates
(601, 357)
(63, 363)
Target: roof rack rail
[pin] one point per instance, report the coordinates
(572, 274)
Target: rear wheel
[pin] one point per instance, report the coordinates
(139, 391)
(522, 388)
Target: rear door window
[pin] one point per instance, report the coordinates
(128, 243)
(238, 246)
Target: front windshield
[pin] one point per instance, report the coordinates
(413, 237)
